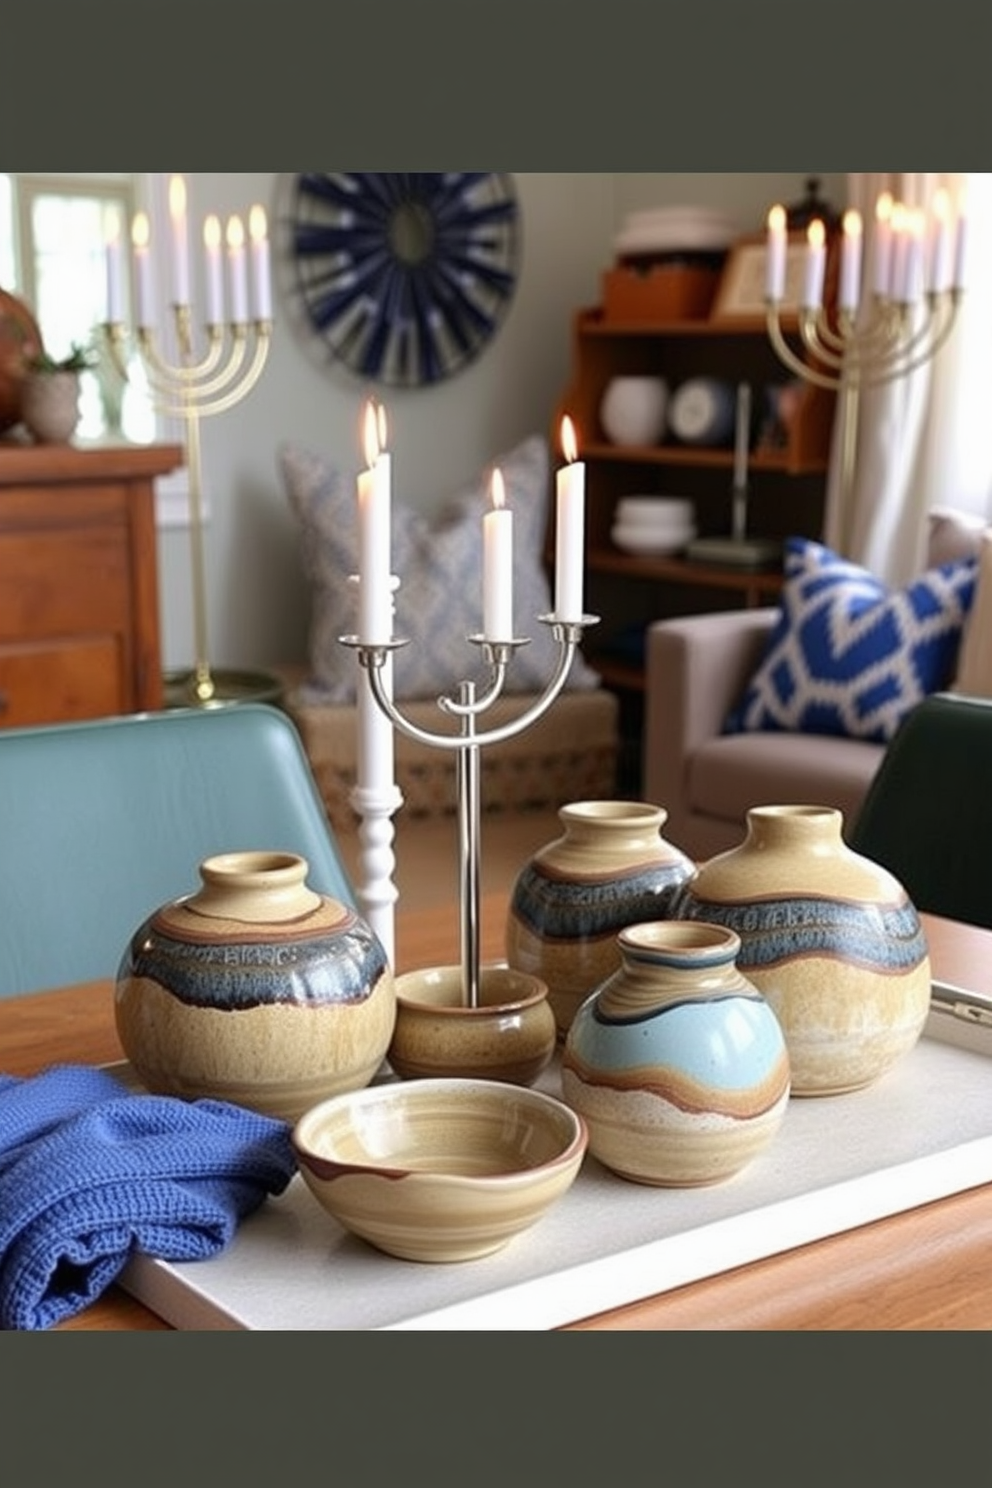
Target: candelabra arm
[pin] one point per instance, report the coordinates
(790, 358)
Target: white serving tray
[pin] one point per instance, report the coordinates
(921, 1132)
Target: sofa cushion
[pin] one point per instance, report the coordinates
(974, 670)
(848, 655)
(438, 561)
(731, 773)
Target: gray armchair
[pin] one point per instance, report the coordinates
(696, 668)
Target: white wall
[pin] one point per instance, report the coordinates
(439, 437)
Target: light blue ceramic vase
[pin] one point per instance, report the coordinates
(677, 1062)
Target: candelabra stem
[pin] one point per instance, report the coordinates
(204, 683)
(850, 395)
(469, 813)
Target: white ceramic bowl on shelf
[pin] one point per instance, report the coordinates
(650, 541)
(654, 512)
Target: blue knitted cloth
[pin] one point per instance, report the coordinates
(91, 1174)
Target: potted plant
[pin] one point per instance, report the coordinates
(50, 398)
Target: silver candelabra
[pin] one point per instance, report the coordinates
(467, 706)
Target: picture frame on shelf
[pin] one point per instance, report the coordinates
(741, 292)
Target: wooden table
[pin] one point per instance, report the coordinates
(928, 1268)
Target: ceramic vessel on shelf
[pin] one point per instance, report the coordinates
(611, 867)
(829, 937)
(439, 1170)
(677, 1062)
(255, 989)
(633, 409)
(510, 1034)
(50, 406)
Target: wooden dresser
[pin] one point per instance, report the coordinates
(79, 607)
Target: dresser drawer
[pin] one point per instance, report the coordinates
(61, 680)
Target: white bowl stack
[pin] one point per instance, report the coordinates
(653, 524)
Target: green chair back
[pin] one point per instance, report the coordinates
(103, 821)
(927, 816)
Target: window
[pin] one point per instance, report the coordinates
(53, 232)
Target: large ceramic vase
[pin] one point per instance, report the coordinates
(829, 937)
(611, 867)
(677, 1063)
(255, 989)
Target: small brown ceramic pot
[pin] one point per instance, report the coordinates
(509, 1036)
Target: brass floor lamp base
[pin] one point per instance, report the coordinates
(182, 691)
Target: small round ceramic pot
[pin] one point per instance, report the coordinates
(677, 1062)
(510, 1035)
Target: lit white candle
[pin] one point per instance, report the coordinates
(238, 270)
(882, 247)
(180, 241)
(497, 565)
(215, 280)
(570, 517)
(140, 238)
(916, 231)
(900, 252)
(775, 255)
(115, 271)
(816, 262)
(941, 244)
(375, 618)
(261, 285)
(850, 263)
(961, 248)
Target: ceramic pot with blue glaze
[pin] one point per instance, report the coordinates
(828, 936)
(255, 989)
(612, 867)
(677, 1063)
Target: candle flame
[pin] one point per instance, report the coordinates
(883, 207)
(569, 444)
(257, 224)
(498, 489)
(211, 231)
(900, 218)
(140, 230)
(852, 223)
(816, 233)
(942, 204)
(235, 233)
(381, 426)
(177, 197)
(112, 235)
(776, 219)
(917, 223)
(371, 434)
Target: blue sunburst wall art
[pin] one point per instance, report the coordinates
(405, 277)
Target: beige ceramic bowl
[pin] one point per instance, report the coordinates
(439, 1170)
(510, 1035)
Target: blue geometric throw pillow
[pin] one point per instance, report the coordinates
(847, 654)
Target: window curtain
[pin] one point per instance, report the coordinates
(924, 439)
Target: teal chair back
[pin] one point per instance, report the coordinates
(927, 816)
(103, 821)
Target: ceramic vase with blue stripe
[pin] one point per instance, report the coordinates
(612, 867)
(255, 989)
(677, 1063)
(828, 936)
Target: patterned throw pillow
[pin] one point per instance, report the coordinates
(438, 560)
(847, 654)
